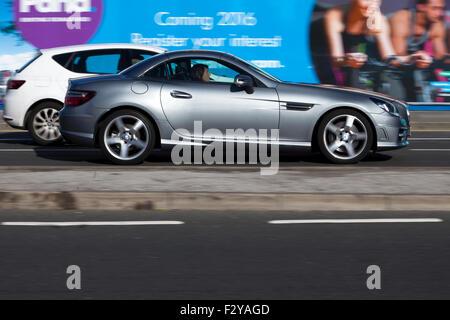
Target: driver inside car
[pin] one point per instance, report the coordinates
(200, 72)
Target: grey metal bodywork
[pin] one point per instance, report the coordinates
(294, 109)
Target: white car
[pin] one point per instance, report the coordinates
(4, 77)
(36, 93)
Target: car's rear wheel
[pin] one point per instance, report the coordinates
(126, 137)
(43, 123)
(345, 136)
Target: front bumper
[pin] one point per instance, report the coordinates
(392, 131)
(402, 140)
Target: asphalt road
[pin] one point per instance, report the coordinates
(225, 255)
(427, 149)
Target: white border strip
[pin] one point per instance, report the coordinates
(352, 221)
(209, 140)
(90, 223)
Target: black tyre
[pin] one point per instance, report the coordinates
(345, 136)
(126, 137)
(43, 123)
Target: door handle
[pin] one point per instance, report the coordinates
(180, 95)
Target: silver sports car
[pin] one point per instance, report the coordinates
(157, 103)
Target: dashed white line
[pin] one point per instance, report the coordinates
(17, 150)
(90, 223)
(48, 150)
(429, 139)
(355, 221)
(430, 150)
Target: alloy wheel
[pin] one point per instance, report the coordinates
(126, 137)
(345, 137)
(46, 124)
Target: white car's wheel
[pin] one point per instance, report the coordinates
(43, 123)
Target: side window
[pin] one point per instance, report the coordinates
(159, 72)
(63, 59)
(99, 61)
(179, 69)
(107, 63)
(202, 70)
(137, 56)
(218, 72)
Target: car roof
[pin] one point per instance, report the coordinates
(145, 65)
(142, 67)
(85, 47)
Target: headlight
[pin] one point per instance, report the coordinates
(386, 106)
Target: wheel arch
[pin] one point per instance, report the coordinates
(128, 107)
(314, 145)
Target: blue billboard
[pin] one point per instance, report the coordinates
(289, 39)
(271, 35)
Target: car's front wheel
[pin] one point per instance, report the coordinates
(345, 136)
(43, 123)
(126, 137)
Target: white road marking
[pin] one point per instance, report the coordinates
(430, 150)
(16, 150)
(429, 139)
(48, 150)
(354, 221)
(90, 223)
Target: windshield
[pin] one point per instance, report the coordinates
(34, 58)
(258, 70)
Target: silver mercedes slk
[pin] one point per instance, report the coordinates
(157, 103)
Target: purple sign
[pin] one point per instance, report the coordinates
(57, 23)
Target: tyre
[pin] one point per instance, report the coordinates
(126, 137)
(345, 136)
(43, 124)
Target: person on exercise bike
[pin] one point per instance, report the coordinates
(356, 34)
(412, 30)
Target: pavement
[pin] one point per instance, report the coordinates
(228, 255)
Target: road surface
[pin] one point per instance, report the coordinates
(224, 255)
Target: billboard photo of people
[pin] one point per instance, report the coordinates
(398, 48)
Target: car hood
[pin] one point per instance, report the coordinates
(351, 90)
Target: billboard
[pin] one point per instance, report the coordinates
(399, 48)
(272, 36)
(288, 38)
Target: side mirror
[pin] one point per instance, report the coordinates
(244, 82)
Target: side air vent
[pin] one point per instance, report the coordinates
(295, 106)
